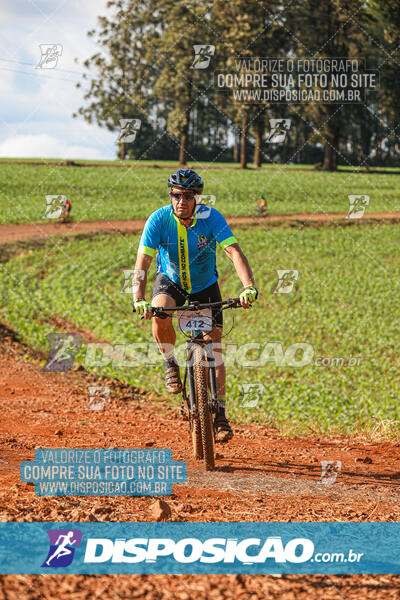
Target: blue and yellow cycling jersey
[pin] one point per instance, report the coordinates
(186, 255)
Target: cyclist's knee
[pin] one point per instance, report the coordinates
(164, 324)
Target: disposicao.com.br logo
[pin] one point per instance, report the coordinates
(190, 550)
(105, 553)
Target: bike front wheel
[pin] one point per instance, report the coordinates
(203, 407)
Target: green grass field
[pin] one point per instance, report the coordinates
(162, 163)
(344, 306)
(101, 193)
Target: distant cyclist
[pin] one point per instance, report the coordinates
(185, 235)
(66, 207)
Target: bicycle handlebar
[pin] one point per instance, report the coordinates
(162, 311)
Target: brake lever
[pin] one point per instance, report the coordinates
(160, 314)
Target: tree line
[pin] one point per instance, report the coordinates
(144, 69)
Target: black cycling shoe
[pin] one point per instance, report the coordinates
(223, 429)
(172, 378)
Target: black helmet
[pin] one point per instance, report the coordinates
(187, 179)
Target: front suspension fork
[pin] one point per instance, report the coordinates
(189, 368)
(212, 374)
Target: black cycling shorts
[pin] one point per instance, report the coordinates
(164, 285)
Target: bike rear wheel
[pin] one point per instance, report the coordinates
(203, 407)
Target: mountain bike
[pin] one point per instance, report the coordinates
(199, 386)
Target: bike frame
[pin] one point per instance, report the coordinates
(197, 337)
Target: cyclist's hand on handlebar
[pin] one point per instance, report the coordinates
(143, 308)
(249, 295)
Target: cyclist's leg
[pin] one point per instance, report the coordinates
(166, 293)
(163, 330)
(223, 428)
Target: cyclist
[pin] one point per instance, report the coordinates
(65, 208)
(185, 235)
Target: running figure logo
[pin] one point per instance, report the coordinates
(357, 205)
(279, 129)
(202, 55)
(329, 471)
(54, 206)
(252, 394)
(63, 347)
(286, 280)
(203, 205)
(61, 552)
(133, 277)
(50, 54)
(129, 129)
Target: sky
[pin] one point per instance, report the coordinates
(37, 104)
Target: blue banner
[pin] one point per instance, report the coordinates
(195, 548)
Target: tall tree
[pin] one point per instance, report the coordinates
(248, 28)
(384, 29)
(124, 72)
(180, 84)
(331, 29)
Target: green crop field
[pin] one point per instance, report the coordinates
(341, 313)
(101, 193)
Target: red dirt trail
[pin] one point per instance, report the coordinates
(25, 231)
(261, 476)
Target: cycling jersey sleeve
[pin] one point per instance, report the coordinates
(150, 239)
(221, 230)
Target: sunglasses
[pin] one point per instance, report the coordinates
(182, 195)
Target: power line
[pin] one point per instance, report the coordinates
(36, 74)
(20, 62)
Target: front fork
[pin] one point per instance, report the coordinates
(212, 376)
(191, 401)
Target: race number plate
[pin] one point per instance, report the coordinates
(196, 319)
